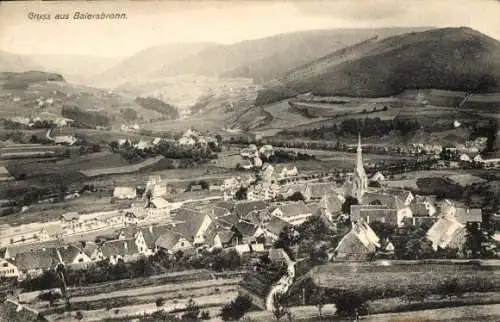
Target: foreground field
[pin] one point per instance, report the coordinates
(399, 279)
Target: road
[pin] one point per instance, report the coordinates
(282, 285)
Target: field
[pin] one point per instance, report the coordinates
(52, 211)
(400, 279)
(122, 169)
(119, 300)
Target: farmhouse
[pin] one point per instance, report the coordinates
(371, 214)
(377, 177)
(282, 172)
(274, 227)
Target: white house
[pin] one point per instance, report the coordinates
(294, 213)
(464, 157)
(7, 269)
(124, 193)
(172, 242)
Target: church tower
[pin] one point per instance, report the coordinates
(360, 178)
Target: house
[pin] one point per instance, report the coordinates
(243, 208)
(267, 172)
(371, 214)
(33, 263)
(92, 251)
(294, 213)
(464, 157)
(444, 232)
(172, 242)
(258, 217)
(466, 215)
(134, 233)
(274, 227)
(388, 200)
(329, 206)
(359, 244)
(478, 159)
(314, 191)
(186, 141)
(156, 141)
(246, 164)
(160, 204)
(192, 225)
(151, 234)
(377, 177)
(282, 172)
(72, 255)
(227, 238)
(8, 269)
(143, 145)
(245, 232)
(10, 252)
(124, 193)
(62, 121)
(155, 187)
(278, 256)
(120, 249)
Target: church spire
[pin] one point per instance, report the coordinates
(360, 178)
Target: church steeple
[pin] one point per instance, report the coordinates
(360, 178)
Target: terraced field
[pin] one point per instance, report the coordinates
(125, 299)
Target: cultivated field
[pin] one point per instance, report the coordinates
(125, 299)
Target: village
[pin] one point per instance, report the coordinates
(258, 212)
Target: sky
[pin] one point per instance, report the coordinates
(154, 23)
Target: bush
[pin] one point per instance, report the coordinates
(350, 305)
(236, 309)
(205, 315)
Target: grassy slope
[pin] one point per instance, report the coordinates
(449, 58)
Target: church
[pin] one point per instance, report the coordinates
(358, 185)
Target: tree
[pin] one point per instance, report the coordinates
(159, 302)
(79, 316)
(279, 305)
(450, 288)
(205, 315)
(51, 297)
(192, 311)
(236, 309)
(350, 305)
(349, 201)
(319, 298)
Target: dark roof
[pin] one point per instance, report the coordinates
(257, 216)
(245, 228)
(227, 221)
(217, 211)
(38, 259)
(356, 209)
(121, 247)
(376, 214)
(152, 233)
(229, 205)
(69, 253)
(419, 209)
(210, 233)
(24, 248)
(388, 200)
(241, 209)
(225, 236)
(188, 222)
(168, 240)
(276, 225)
